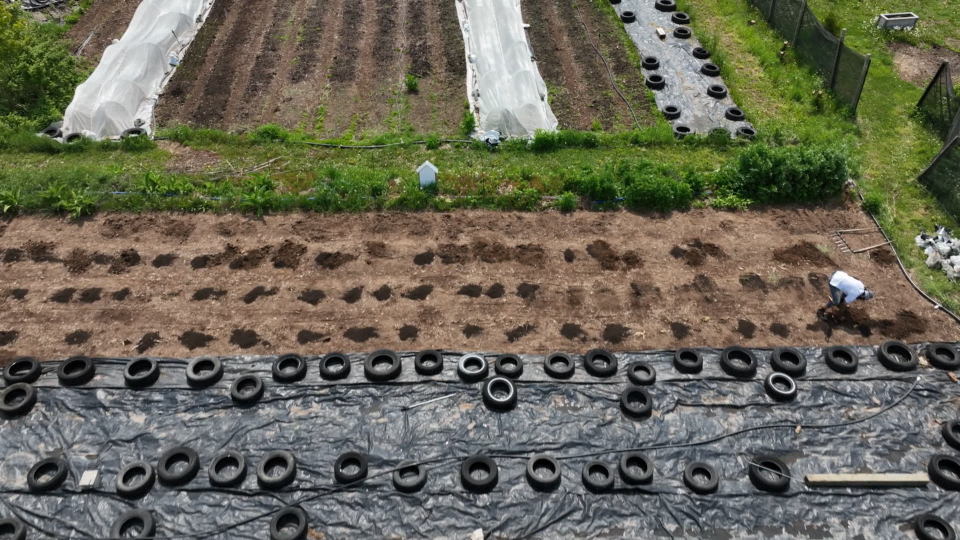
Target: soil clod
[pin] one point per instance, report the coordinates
(40, 252)
(472, 330)
(8, 336)
(89, 296)
(251, 259)
(18, 294)
(13, 255)
(615, 333)
(519, 332)
(147, 342)
(78, 261)
(376, 249)
(408, 332)
(419, 293)
(312, 296)
(288, 255)
(258, 292)
(125, 260)
(192, 339)
(164, 260)
(527, 291)
(803, 253)
(63, 296)
(497, 290)
(306, 336)
(424, 258)
(77, 337)
(679, 330)
(332, 261)
(208, 293)
(361, 335)
(746, 328)
(353, 295)
(472, 290)
(753, 282)
(383, 293)
(569, 255)
(573, 332)
(780, 330)
(883, 256)
(244, 338)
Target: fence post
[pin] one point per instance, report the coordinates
(836, 59)
(773, 7)
(863, 79)
(796, 33)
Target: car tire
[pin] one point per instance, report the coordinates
(168, 474)
(735, 114)
(671, 112)
(76, 370)
(710, 69)
(133, 132)
(951, 433)
(14, 528)
(598, 476)
(717, 91)
(289, 368)
(897, 356)
(289, 523)
(47, 475)
(943, 356)
(559, 366)
(428, 362)
(472, 368)
(148, 525)
(71, 138)
(628, 17)
(682, 32)
(931, 527)
(141, 372)
(680, 17)
(348, 459)
(17, 399)
(492, 391)
(134, 480)
(477, 463)
(780, 386)
(641, 374)
(287, 475)
(543, 472)
(25, 369)
(636, 468)
(841, 359)
(769, 474)
(650, 62)
(377, 374)
(407, 483)
(334, 366)
(746, 132)
(666, 5)
(788, 360)
(636, 402)
(944, 471)
(688, 361)
(228, 469)
(700, 53)
(508, 365)
(692, 474)
(738, 362)
(655, 81)
(600, 363)
(204, 371)
(247, 389)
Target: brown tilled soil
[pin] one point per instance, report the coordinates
(103, 22)
(327, 67)
(175, 285)
(580, 89)
(918, 65)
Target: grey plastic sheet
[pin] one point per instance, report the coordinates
(686, 86)
(35, 4)
(104, 425)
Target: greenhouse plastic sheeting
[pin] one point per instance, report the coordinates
(686, 86)
(104, 425)
(505, 89)
(122, 92)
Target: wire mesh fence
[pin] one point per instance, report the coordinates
(842, 68)
(940, 105)
(942, 177)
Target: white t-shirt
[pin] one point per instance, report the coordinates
(850, 286)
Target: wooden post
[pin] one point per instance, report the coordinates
(863, 79)
(836, 59)
(796, 33)
(867, 480)
(773, 7)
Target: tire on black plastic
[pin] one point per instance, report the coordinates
(472, 368)
(943, 355)
(17, 399)
(170, 474)
(738, 362)
(688, 361)
(47, 474)
(636, 468)
(769, 474)
(717, 91)
(641, 374)
(483, 466)
(373, 366)
(227, 469)
(598, 476)
(700, 53)
(931, 527)
(897, 356)
(289, 368)
(334, 366)
(543, 472)
(710, 69)
(944, 471)
(655, 81)
(600, 363)
(347, 460)
(650, 62)
(289, 523)
(508, 365)
(681, 130)
(735, 114)
(682, 32)
(141, 372)
(428, 362)
(138, 518)
(666, 5)
(671, 112)
(286, 475)
(25, 369)
(76, 370)
(247, 389)
(951, 433)
(780, 386)
(692, 478)
(204, 371)
(680, 17)
(499, 394)
(409, 477)
(841, 359)
(13, 528)
(628, 16)
(788, 360)
(136, 479)
(636, 402)
(559, 366)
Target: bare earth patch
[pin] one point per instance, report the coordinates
(918, 65)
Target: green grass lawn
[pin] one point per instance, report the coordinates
(783, 100)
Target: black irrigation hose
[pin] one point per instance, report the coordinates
(358, 147)
(936, 305)
(609, 73)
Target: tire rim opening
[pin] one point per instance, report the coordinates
(771, 471)
(350, 466)
(288, 524)
(688, 357)
(500, 390)
(15, 397)
(790, 358)
(335, 363)
(642, 371)
(598, 473)
(18, 369)
(544, 468)
(601, 361)
(247, 386)
(717, 88)
(134, 476)
(682, 129)
(935, 529)
(701, 476)
(627, 14)
(509, 363)
(843, 357)
(781, 383)
(140, 367)
(227, 464)
(636, 466)
(74, 367)
(739, 357)
(636, 399)
(178, 463)
(946, 353)
(7, 529)
(131, 528)
(382, 363)
(559, 362)
(655, 79)
(473, 364)
(289, 365)
(46, 472)
(670, 109)
(749, 132)
(409, 474)
(275, 467)
(429, 360)
(204, 367)
(951, 469)
(479, 471)
(899, 354)
(955, 429)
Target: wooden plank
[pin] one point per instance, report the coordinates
(868, 480)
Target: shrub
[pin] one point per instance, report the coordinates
(411, 196)
(730, 202)
(433, 141)
(71, 201)
(269, 133)
(649, 187)
(139, 143)
(412, 83)
(10, 201)
(567, 202)
(598, 185)
(873, 203)
(545, 141)
(786, 174)
(520, 199)
(469, 123)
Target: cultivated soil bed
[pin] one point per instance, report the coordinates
(171, 285)
(103, 22)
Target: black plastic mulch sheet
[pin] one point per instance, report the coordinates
(35, 4)
(104, 425)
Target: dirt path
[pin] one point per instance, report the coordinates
(188, 285)
(103, 22)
